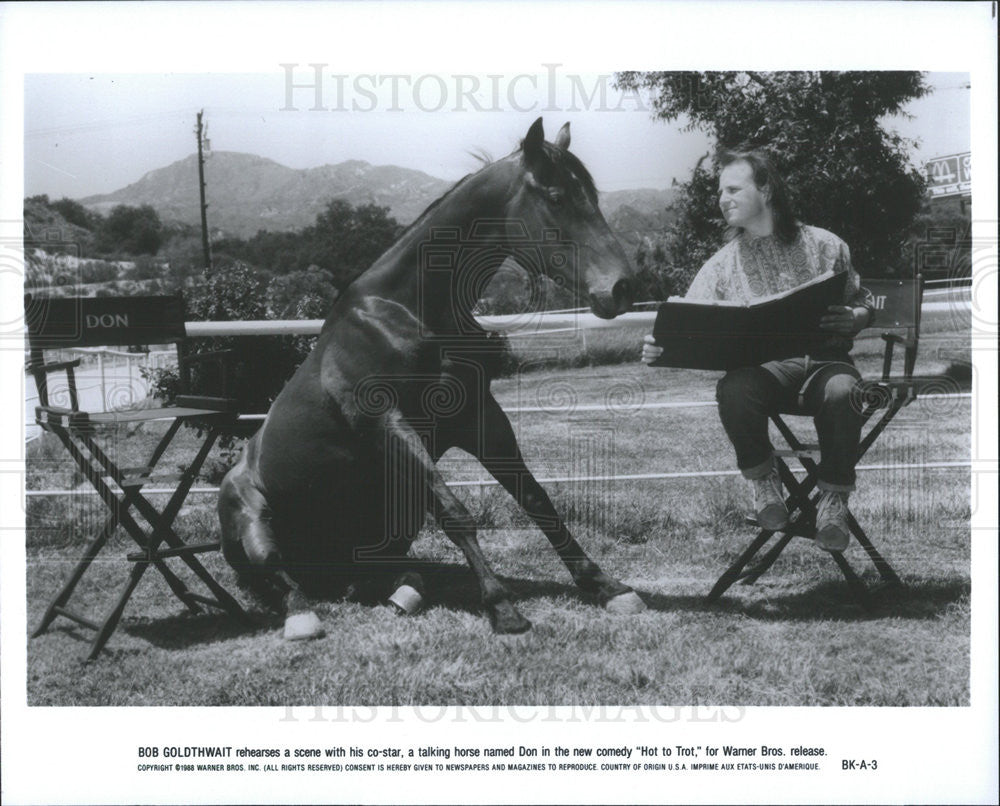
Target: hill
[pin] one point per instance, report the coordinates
(247, 193)
(639, 216)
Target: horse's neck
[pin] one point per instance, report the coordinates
(411, 274)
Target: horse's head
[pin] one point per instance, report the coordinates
(557, 197)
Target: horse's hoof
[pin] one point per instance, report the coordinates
(507, 621)
(406, 600)
(303, 626)
(625, 604)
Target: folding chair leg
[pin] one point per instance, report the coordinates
(798, 498)
(802, 497)
(58, 604)
(181, 591)
(160, 531)
(857, 587)
(733, 572)
(224, 600)
(115, 615)
(885, 570)
(751, 575)
(120, 515)
(163, 531)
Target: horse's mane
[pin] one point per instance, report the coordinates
(482, 156)
(561, 159)
(564, 161)
(434, 205)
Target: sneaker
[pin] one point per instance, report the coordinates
(832, 531)
(768, 503)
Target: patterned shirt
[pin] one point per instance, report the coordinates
(749, 267)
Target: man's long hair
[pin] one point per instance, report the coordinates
(765, 176)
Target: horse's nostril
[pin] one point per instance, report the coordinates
(622, 294)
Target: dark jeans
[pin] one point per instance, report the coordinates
(826, 390)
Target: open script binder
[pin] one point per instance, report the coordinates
(726, 335)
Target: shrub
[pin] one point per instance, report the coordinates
(131, 230)
(260, 366)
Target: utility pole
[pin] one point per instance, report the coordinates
(202, 134)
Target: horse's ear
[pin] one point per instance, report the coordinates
(562, 139)
(533, 139)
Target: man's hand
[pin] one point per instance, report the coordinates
(844, 320)
(650, 350)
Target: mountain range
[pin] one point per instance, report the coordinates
(247, 193)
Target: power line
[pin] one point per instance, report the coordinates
(178, 114)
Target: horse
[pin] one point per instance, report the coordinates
(340, 476)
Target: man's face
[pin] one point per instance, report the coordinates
(741, 201)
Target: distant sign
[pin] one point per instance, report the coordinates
(950, 176)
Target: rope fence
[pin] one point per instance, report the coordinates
(574, 479)
(547, 480)
(626, 407)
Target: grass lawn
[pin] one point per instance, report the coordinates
(793, 638)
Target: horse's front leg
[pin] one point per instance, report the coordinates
(249, 546)
(456, 522)
(497, 449)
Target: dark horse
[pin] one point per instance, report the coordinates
(342, 472)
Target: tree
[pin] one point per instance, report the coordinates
(131, 230)
(305, 294)
(846, 173)
(76, 213)
(233, 291)
(183, 258)
(346, 240)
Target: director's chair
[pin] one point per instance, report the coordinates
(60, 323)
(897, 314)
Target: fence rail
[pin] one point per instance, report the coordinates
(526, 324)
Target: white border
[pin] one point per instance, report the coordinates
(81, 755)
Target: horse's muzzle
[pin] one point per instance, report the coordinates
(609, 305)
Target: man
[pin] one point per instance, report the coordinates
(770, 252)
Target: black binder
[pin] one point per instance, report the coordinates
(724, 335)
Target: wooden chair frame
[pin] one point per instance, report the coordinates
(59, 323)
(897, 313)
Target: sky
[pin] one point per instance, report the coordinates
(95, 133)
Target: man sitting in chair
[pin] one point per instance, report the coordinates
(770, 252)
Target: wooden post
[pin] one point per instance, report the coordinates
(205, 245)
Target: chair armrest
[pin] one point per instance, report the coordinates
(895, 338)
(56, 367)
(221, 404)
(57, 415)
(60, 410)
